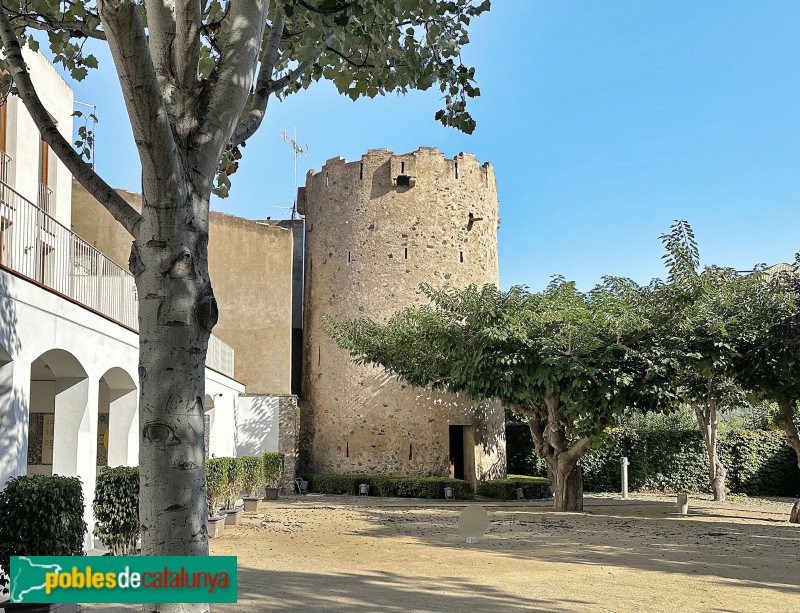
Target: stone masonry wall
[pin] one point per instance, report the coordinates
(369, 245)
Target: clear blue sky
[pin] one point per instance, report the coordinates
(604, 121)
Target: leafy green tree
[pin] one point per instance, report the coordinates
(196, 77)
(704, 339)
(768, 358)
(569, 362)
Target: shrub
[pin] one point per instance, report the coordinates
(759, 462)
(41, 516)
(253, 477)
(234, 479)
(506, 489)
(273, 468)
(116, 509)
(390, 486)
(216, 483)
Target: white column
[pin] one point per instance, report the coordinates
(123, 428)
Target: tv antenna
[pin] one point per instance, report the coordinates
(298, 150)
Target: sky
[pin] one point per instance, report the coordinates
(605, 121)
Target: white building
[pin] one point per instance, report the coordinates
(68, 319)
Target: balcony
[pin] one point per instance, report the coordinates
(35, 246)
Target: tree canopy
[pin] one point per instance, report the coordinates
(573, 363)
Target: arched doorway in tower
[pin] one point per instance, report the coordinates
(117, 420)
(59, 427)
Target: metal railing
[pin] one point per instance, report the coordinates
(5, 166)
(35, 246)
(45, 198)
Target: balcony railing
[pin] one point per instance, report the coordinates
(5, 166)
(35, 246)
(45, 198)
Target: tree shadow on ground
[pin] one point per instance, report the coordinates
(264, 590)
(362, 592)
(644, 536)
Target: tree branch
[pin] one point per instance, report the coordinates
(144, 100)
(124, 213)
(48, 25)
(248, 126)
(301, 69)
(228, 88)
(189, 19)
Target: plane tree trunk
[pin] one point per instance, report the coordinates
(551, 439)
(786, 405)
(707, 420)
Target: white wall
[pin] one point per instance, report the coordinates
(257, 425)
(34, 321)
(22, 140)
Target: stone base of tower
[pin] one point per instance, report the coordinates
(382, 443)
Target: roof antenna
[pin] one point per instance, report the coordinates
(298, 149)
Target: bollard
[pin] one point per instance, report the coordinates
(683, 503)
(624, 463)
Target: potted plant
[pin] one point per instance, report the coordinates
(116, 509)
(216, 489)
(234, 478)
(273, 473)
(253, 480)
(42, 516)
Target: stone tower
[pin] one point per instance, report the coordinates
(375, 230)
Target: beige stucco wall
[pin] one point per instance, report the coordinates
(251, 271)
(368, 247)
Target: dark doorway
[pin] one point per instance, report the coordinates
(457, 450)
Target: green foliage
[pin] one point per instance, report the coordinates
(506, 489)
(234, 481)
(116, 509)
(273, 468)
(41, 516)
(759, 462)
(253, 474)
(216, 483)
(394, 487)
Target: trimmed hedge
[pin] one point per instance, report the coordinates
(759, 462)
(234, 480)
(273, 468)
(116, 509)
(41, 516)
(216, 483)
(506, 489)
(253, 477)
(393, 487)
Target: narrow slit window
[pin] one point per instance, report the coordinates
(456, 169)
(347, 449)
(348, 257)
(361, 171)
(402, 166)
(461, 256)
(319, 355)
(327, 180)
(406, 252)
(411, 451)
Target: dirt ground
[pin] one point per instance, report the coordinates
(336, 553)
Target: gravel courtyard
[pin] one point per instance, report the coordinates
(348, 554)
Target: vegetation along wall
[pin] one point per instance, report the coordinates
(759, 462)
